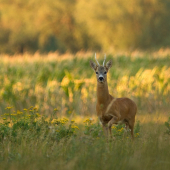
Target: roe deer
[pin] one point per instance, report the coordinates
(112, 110)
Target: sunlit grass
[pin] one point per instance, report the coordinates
(33, 141)
(48, 118)
(39, 80)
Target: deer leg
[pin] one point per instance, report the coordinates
(111, 136)
(132, 133)
(126, 129)
(104, 126)
(110, 131)
(105, 130)
(114, 120)
(131, 127)
(126, 126)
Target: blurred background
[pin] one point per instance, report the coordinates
(74, 25)
(45, 48)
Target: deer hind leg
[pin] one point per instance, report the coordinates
(131, 127)
(126, 128)
(126, 125)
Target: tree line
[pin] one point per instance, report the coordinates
(73, 25)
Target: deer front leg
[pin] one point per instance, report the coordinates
(114, 120)
(104, 126)
(105, 130)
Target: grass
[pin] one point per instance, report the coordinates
(48, 113)
(27, 81)
(32, 141)
(150, 150)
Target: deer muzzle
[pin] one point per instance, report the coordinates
(101, 78)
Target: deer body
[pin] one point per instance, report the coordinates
(112, 110)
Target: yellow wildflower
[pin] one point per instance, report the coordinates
(38, 115)
(89, 120)
(114, 127)
(55, 109)
(120, 130)
(19, 113)
(65, 81)
(74, 127)
(8, 108)
(63, 120)
(13, 114)
(70, 112)
(54, 121)
(137, 134)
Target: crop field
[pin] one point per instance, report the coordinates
(48, 118)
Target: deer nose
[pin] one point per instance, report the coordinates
(101, 78)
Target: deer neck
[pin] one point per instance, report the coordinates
(102, 93)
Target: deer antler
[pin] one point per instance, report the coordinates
(104, 59)
(96, 60)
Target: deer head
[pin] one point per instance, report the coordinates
(101, 70)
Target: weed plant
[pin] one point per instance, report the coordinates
(42, 137)
(70, 84)
(29, 140)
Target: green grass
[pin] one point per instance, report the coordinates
(149, 151)
(39, 81)
(32, 141)
(29, 141)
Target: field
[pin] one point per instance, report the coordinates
(48, 118)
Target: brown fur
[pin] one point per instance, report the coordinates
(112, 110)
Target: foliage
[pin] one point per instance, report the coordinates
(31, 142)
(28, 26)
(119, 131)
(41, 137)
(92, 129)
(29, 125)
(47, 82)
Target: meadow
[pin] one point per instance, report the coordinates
(48, 118)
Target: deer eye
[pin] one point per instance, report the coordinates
(105, 72)
(96, 72)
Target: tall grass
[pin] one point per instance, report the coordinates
(150, 151)
(69, 83)
(40, 138)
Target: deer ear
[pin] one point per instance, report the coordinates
(93, 65)
(109, 64)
